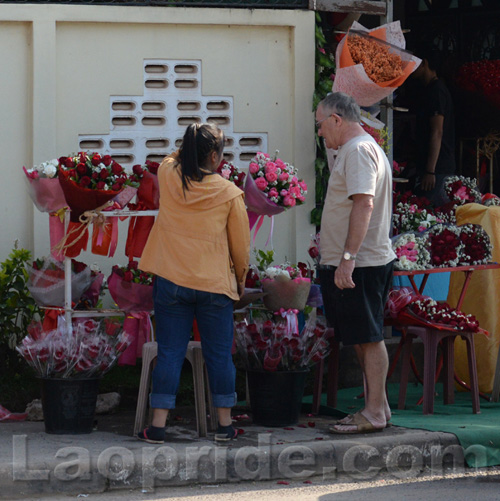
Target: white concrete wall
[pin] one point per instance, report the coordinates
(61, 63)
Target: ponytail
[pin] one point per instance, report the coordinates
(199, 141)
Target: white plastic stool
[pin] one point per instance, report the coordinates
(200, 380)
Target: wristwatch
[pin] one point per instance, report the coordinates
(348, 256)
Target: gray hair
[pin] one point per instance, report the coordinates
(343, 105)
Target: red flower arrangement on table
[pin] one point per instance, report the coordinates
(90, 350)
(462, 190)
(444, 245)
(269, 345)
(132, 290)
(442, 315)
(476, 245)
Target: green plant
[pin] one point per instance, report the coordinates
(264, 259)
(325, 67)
(17, 307)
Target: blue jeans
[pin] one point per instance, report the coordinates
(175, 308)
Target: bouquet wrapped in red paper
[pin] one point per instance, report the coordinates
(132, 291)
(271, 346)
(371, 64)
(46, 281)
(88, 349)
(148, 198)
(89, 182)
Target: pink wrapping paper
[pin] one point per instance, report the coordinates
(46, 193)
(137, 301)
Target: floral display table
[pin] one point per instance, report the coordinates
(468, 270)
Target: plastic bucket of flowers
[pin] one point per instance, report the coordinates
(70, 364)
(277, 358)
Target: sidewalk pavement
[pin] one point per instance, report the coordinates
(33, 463)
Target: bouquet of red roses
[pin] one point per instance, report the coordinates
(132, 291)
(89, 180)
(89, 349)
(148, 198)
(476, 245)
(269, 344)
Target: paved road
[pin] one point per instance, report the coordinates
(482, 485)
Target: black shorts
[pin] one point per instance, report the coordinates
(357, 315)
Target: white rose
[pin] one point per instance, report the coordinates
(49, 170)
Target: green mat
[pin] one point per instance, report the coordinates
(471, 429)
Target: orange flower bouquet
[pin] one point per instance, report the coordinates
(371, 64)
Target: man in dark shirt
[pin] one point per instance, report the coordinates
(435, 129)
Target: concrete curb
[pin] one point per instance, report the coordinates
(35, 463)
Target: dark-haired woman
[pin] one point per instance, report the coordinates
(198, 249)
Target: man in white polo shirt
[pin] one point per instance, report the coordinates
(356, 253)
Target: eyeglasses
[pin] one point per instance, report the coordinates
(319, 122)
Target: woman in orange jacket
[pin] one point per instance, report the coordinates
(199, 251)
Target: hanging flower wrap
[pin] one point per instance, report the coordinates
(388, 45)
(46, 193)
(46, 282)
(136, 299)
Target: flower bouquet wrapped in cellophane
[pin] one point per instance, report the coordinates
(286, 287)
(132, 291)
(46, 281)
(270, 345)
(88, 349)
(271, 187)
(43, 186)
(371, 64)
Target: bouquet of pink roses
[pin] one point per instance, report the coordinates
(271, 186)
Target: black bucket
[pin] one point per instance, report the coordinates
(276, 397)
(69, 405)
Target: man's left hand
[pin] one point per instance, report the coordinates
(343, 275)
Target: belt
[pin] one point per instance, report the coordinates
(327, 267)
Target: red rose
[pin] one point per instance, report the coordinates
(128, 276)
(101, 185)
(85, 181)
(72, 173)
(96, 159)
(132, 265)
(137, 170)
(95, 175)
(116, 187)
(116, 168)
(107, 160)
(68, 163)
(104, 174)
